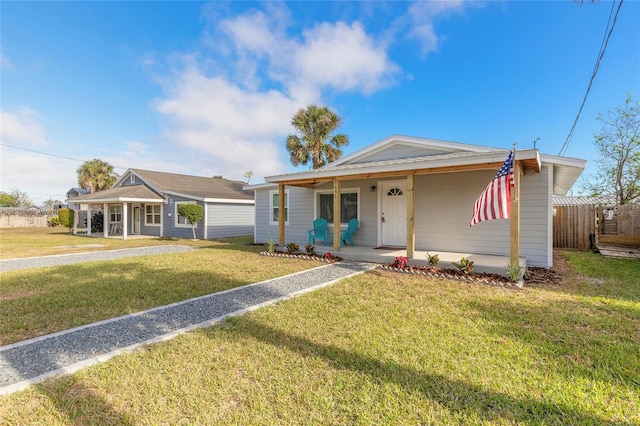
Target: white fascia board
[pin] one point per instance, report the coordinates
(121, 178)
(117, 200)
(480, 158)
(259, 186)
(179, 194)
(228, 201)
(563, 161)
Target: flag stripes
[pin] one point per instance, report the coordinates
(495, 200)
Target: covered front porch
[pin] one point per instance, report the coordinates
(484, 263)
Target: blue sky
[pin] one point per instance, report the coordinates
(210, 88)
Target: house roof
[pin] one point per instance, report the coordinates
(156, 184)
(192, 186)
(131, 193)
(401, 155)
(583, 200)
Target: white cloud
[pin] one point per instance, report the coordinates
(422, 16)
(240, 115)
(5, 62)
(22, 128)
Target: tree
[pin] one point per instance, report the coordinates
(619, 146)
(192, 213)
(15, 198)
(96, 175)
(51, 203)
(7, 200)
(314, 139)
(66, 217)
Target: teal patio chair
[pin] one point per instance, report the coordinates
(319, 231)
(347, 235)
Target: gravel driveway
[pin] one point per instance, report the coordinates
(33, 360)
(69, 259)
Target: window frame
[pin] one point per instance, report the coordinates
(153, 214)
(113, 215)
(272, 207)
(316, 202)
(186, 224)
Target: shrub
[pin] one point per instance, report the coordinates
(433, 259)
(292, 248)
(192, 214)
(271, 245)
(465, 266)
(516, 272)
(66, 217)
(97, 222)
(310, 249)
(401, 262)
(54, 221)
(329, 256)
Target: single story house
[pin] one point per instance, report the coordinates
(73, 193)
(145, 202)
(418, 194)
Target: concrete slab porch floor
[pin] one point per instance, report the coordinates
(484, 263)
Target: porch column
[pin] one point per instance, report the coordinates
(514, 240)
(105, 224)
(88, 233)
(336, 215)
(161, 220)
(281, 218)
(411, 235)
(124, 221)
(76, 213)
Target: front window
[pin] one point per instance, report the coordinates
(349, 207)
(115, 213)
(274, 207)
(152, 214)
(182, 222)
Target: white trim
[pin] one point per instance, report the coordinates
(206, 220)
(186, 224)
(271, 206)
(406, 165)
(228, 201)
(317, 192)
(260, 186)
(152, 214)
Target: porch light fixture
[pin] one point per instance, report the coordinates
(372, 188)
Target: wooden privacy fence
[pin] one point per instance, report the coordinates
(574, 226)
(580, 226)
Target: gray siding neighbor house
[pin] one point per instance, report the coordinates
(145, 202)
(418, 194)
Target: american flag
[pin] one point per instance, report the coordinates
(495, 200)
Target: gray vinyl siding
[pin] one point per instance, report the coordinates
(444, 205)
(127, 181)
(443, 210)
(229, 220)
(169, 219)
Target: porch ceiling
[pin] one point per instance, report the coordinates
(447, 163)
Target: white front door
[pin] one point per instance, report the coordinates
(393, 213)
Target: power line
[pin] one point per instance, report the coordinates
(603, 47)
(51, 155)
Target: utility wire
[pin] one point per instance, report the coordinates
(603, 48)
(51, 155)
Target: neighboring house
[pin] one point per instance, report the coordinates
(144, 202)
(74, 193)
(419, 194)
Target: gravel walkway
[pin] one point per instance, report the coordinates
(31, 361)
(69, 259)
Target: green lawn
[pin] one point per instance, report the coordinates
(34, 302)
(30, 242)
(382, 348)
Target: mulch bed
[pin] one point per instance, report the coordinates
(316, 257)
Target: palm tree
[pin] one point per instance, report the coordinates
(96, 175)
(316, 143)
